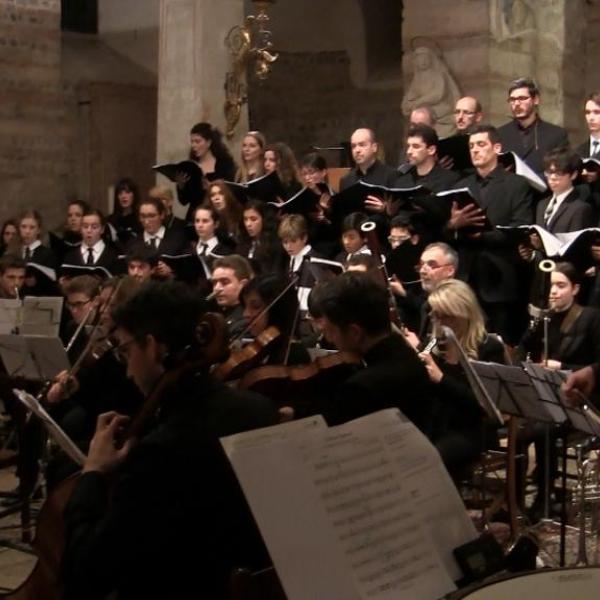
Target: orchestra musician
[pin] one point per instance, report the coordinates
(461, 431)
(352, 310)
(140, 504)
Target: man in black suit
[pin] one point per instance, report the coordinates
(174, 484)
(527, 135)
(563, 211)
(93, 251)
(591, 146)
(353, 312)
(488, 260)
(590, 188)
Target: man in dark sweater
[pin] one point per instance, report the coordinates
(353, 312)
(527, 135)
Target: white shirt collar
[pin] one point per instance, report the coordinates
(98, 249)
(33, 245)
(211, 244)
(297, 259)
(159, 235)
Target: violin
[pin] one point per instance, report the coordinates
(294, 385)
(251, 355)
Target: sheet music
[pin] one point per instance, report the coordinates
(355, 532)
(433, 492)
(10, 314)
(55, 431)
(266, 435)
(41, 315)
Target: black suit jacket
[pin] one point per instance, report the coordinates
(541, 137)
(584, 150)
(393, 377)
(489, 263)
(174, 242)
(44, 256)
(108, 259)
(572, 215)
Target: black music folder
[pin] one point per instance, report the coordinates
(186, 167)
(188, 268)
(352, 199)
(463, 197)
(304, 202)
(267, 188)
(456, 147)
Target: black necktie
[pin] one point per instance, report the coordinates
(27, 253)
(549, 212)
(595, 145)
(90, 257)
(153, 243)
(203, 249)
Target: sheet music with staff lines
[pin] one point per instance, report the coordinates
(344, 511)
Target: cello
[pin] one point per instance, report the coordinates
(44, 582)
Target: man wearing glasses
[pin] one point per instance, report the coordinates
(139, 503)
(527, 135)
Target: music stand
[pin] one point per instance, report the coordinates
(41, 315)
(35, 357)
(9, 315)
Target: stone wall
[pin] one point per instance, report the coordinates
(487, 43)
(34, 161)
(310, 99)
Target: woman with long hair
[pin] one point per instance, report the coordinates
(252, 155)
(9, 234)
(280, 157)
(222, 199)
(258, 238)
(210, 153)
(461, 431)
(123, 221)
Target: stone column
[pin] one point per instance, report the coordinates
(33, 148)
(192, 64)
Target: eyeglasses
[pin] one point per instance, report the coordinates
(549, 174)
(119, 351)
(392, 239)
(76, 305)
(430, 264)
(513, 99)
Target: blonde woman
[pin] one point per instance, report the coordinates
(252, 155)
(461, 431)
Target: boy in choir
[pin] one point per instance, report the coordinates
(354, 240)
(293, 233)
